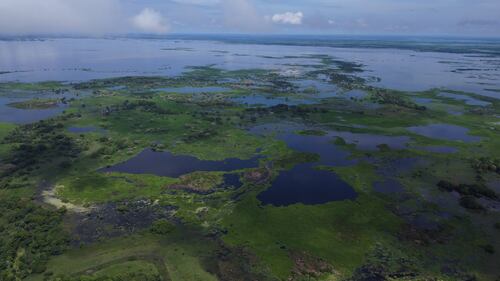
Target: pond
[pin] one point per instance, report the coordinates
(86, 129)
(232, 180)
(440, 149)
(423, 101)
(25, 116)
(388, 186)
(167, 164)
(355, 94)
(305, 183)
(445, 132)
(372, 141)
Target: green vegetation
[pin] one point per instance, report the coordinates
(29, 236)
(35, 104)
(62, 218)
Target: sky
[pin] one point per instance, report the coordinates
(366, 17)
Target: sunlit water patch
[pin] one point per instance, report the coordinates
(11, 114)
(445, 132)
(77, 59)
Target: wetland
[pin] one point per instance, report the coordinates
(225, 158)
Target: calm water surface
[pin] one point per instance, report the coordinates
(445, 132)
(70, 59)
(168, 164)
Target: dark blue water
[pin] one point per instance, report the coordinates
(232, 180)
(441, 149)
(305, 183)
(388, 186)
(87, 129)
(372, 141)
(356, 94)
(167, 164)
(423, 100)
(445, 132)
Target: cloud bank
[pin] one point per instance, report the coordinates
(20, 17)
(150, 21)
(101, 17)
(288, 18)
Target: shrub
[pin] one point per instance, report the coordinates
(162, 227)
(469, 202)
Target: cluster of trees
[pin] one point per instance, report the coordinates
(469, 193)
(144, 105)
(386, 97)
(29, 235)
(484, 165)
(476, 190)
(36, 145)
(296, 111)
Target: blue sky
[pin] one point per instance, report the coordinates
(102, 17)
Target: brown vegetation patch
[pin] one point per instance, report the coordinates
(258, 176)
(310, 266)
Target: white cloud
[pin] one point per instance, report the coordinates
(150, 21)
(288, 18)
(198, 2)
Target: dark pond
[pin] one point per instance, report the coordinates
(371, 141)
(440, 149)
(170, 165)
(445, 132)
(361, 140)
(87, 129)
(391, 167)
(355, 94)
(232, 180)
(423, 100)
(388, 186)
(306, 184)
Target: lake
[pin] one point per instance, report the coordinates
(168, 164)
(77, 59)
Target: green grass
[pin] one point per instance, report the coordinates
(96, 187)
(343, 233)
(179, 253)
(340, 232)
